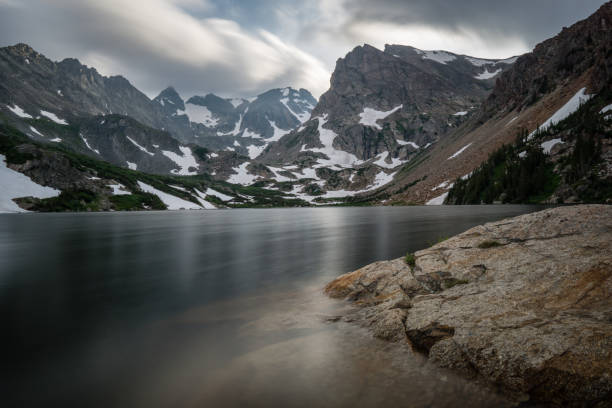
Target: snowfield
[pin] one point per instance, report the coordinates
(173, 202)
(15, 185)
(132, 166)
(370, 116)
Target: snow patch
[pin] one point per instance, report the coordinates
(172, 202)
(606, 109)
(33, 129)
(201, 197)
(548, 145)
(200, 114)
(487, 74)
(566, 110)
(119, 189)
(131, 166)
(255, 151)
(522, 154)
(335, 157)
(462, 113)
(236, 102)
(15, 185)
(87, 144)
(251, 134)
(438, 200)
(479, 62)
(242, 175)
(458, 152)
(139, 146)
(278, 132)
(404, 143)
(439, 56)
(382, 163)
(302, 117)
(19, 112)
(370, 116)
(223, 197)
(56, 140)
(185, 161)
(53, 117)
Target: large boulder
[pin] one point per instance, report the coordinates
(524, 303)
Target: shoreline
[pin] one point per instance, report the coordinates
(523, 304)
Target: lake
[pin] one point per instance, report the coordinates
(212, 308)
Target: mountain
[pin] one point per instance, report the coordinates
(382, 109)
(48, 177)
(540, 89)
(246, 126)
(107, 118)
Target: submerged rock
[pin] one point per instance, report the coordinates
(524, 303)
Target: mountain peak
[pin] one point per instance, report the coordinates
(171, 97)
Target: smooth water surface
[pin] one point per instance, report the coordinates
(211, 308)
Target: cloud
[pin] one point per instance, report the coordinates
(240, 48)
(157, 42)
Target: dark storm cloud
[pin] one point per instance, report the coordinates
(532, 20)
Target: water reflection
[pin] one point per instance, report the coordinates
(209, 308)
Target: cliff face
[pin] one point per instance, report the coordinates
(555, 77)
(582, 50)
(523, 303)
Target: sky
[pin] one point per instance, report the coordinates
(239, 48)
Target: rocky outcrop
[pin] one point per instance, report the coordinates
(524, 304)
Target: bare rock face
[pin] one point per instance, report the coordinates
(524, 303)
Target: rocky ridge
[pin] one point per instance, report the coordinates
(573, 65)
(523, 304)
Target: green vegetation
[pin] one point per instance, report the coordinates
(68, 200)
(83, 200)
(410, 259)
(523, 173)
(137, 201)
(438, 240)
(488, 244)
(451, 282)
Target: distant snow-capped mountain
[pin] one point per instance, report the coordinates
(244, 125)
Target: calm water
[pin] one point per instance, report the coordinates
(219, 308)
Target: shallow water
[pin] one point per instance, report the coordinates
(212, 308)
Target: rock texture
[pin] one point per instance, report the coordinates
(523, 303)
(524, 97)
